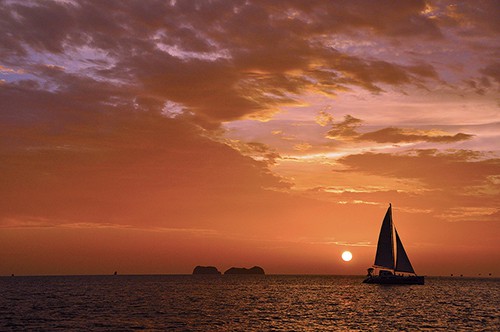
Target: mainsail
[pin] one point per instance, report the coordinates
(402, 262)
(385, 246)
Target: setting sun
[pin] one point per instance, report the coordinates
(346, 256)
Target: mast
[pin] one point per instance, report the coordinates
(385, 246)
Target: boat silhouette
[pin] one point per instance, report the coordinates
(392, 265)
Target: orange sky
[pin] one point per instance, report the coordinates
(153, 136)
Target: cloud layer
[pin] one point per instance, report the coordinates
(231, 70)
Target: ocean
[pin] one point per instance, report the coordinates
(245, 303)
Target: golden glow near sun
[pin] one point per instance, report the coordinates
(346, 256)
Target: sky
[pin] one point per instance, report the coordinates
(148, 137)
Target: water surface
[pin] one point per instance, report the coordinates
(245, 303)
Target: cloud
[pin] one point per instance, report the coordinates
(493, 71)
(398, 135)
(201, 57)
(454, 169)
(324, 118)
(6, 70)
(477, 18)
(44, 223)
(256, 150)
(451, 186)
(470, 214)
(302, 147)
(347, 130)
(401, 19)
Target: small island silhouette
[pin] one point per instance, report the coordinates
(233, 270)
(206, 270)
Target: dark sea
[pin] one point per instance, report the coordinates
(245, 303)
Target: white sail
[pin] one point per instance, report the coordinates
(402, 261)
(385, 246)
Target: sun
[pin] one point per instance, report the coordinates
(346, 256)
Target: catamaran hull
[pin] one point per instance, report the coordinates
(395, 280)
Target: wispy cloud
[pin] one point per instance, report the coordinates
(24, 222)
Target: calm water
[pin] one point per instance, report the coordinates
(245, 303)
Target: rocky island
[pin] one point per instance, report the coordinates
(206, 270)
(242, 270)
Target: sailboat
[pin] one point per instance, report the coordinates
(392, 263)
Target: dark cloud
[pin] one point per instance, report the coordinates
(454, 185)
(345, 129)
(348, 130)
(492, 71)
(260, 150)
(472, 18)
(403, 18)
(42, 27)
(445, 170)
(222, 60)
(398, 135)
